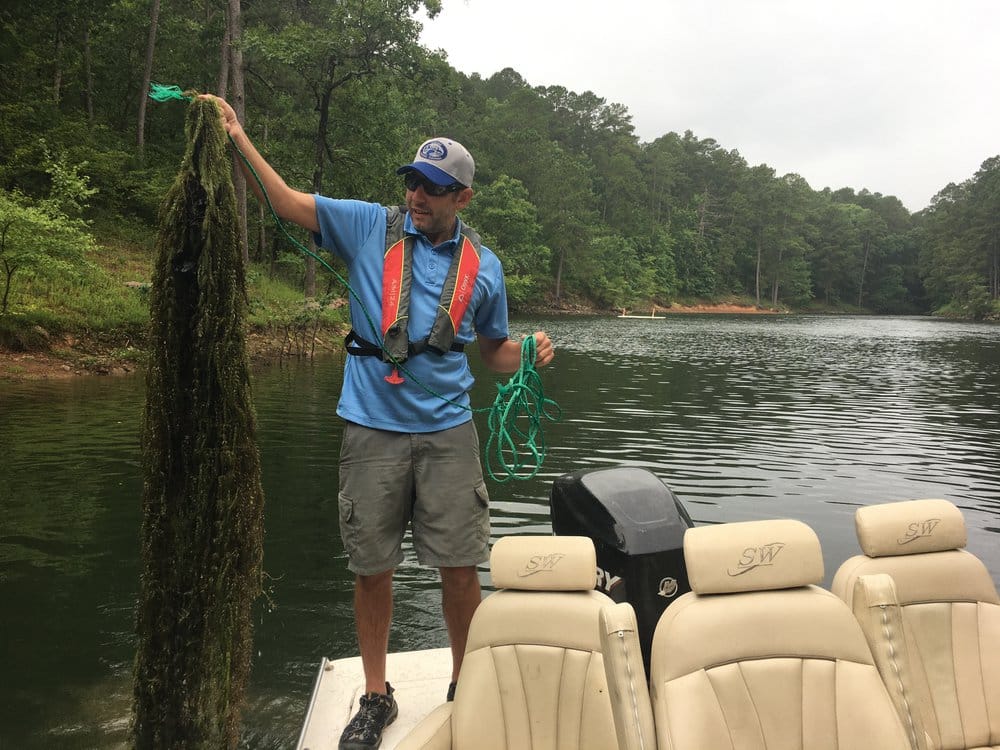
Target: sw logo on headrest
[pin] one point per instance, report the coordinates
(540, 564)
(757, 557)
(918, 530)
(435, 151)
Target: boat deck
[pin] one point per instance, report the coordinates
(420, 681)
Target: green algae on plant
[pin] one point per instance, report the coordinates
(202, 520)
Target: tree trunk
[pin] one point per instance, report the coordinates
(995, 271)
(777, 275)
(703, 214)
(7, 267)
(864, 268)
(760, 252)
(317, 182)
(57, 78)
(234, 26)
(222, 82)
(88, 74)
(559, 270)
(8, 274)
(147, 73)
(262, 215)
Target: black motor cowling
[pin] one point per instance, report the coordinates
(638, 525)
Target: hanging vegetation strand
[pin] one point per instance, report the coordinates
(202, 523)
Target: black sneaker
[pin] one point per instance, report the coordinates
(364, 732)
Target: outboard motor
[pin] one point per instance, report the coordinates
(638, 525)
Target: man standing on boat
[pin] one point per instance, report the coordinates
(410, 453)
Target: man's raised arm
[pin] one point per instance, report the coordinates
(292, 205)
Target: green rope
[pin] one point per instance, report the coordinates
(521, 401)
(160, 93)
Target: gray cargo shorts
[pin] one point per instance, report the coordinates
(430, 481)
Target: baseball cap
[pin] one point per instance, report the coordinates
(443, 162)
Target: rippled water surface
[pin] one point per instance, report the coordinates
(744, 417)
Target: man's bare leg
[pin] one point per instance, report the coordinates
(460, 595)
(372, 618)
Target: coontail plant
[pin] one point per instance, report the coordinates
(202, 506)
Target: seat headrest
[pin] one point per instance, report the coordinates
(544, 563)
(910, 527)
(752, 556)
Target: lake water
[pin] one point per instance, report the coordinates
(743, 417)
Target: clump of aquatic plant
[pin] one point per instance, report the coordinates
(202, 505)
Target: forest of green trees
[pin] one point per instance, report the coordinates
(337, 93)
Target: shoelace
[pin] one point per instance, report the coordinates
(369, 717)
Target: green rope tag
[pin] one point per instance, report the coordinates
(160, 93)
(521, 400)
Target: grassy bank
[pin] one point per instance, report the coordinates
(96, 318)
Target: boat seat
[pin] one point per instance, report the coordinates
(626, 673)
(758, 656)
(931, 614)
(533, 675)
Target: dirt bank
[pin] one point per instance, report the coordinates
(720, 309)
(72, 356)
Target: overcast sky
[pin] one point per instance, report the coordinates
(897, 96)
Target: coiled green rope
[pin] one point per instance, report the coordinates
(517, 412)
(520, 402)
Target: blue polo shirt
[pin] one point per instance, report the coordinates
(355, 232)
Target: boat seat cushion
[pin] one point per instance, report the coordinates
(909, 528)
(944, 654)
(757, 655)
(544, 563)
(752, 556)
(533, 674)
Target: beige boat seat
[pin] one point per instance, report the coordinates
(533, 675)
(756, 656)
(931, 614)
(626, 675)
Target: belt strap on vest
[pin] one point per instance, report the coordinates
(397, 276)
(360, 347)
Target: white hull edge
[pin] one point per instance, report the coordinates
(420, 681)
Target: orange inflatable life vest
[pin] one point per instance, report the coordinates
(397, 276)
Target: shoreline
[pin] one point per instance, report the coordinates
(73, 356)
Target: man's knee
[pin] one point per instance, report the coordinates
(465, 575)
(374, 584)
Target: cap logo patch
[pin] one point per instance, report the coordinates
(434, 151)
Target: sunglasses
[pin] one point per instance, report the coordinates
(413, 180)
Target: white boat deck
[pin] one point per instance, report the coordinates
(420, 681)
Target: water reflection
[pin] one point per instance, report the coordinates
(751, 417)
